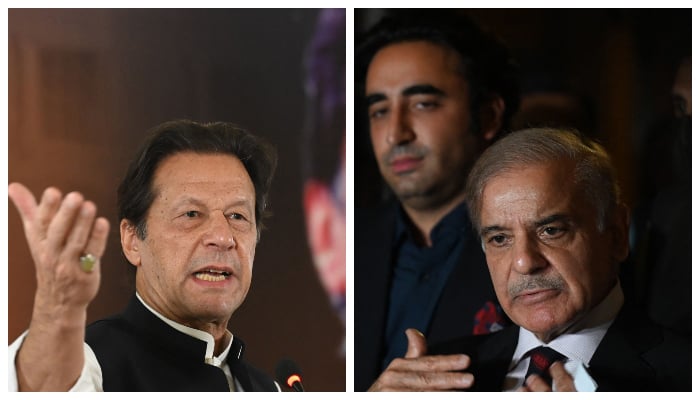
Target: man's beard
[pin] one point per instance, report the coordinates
(425, 188)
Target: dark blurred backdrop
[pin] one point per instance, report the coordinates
(607, 72)
(84, 86)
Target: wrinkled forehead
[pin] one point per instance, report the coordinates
(211, 172)
(533, 185)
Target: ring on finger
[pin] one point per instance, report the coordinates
(87, 262)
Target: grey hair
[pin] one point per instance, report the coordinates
(593, 171)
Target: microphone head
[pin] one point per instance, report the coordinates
(289, 373)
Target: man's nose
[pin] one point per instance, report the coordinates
(527, 256)
(399, 130)
(219, 233)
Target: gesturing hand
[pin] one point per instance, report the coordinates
(59, 231)
(417, 372)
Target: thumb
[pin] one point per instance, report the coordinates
(417, 345)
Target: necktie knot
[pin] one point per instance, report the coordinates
(541, 358)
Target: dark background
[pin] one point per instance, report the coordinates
(84, 86)
(616, 67)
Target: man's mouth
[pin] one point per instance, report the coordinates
(404, 165)
(536, 295)
(212, 275)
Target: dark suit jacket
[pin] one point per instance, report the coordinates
(468, 288)
(139, 352)
(634, 355)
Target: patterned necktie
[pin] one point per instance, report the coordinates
(541, 358)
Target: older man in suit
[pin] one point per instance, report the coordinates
(547, 208)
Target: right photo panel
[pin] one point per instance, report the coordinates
(522, 191)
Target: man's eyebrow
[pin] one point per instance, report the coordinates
(374, 98)
(488, 229)
(542, 222)
(422, 89)
(409, 91)
(248, 203)
(553, 218)
(189, 200)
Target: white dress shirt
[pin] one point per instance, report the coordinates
(578, 344)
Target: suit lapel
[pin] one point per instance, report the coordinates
(490, 356)
(466, 292)
(492, 359)
(618, 363)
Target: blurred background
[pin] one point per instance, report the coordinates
(85, 85)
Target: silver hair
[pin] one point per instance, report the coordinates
(593, 170)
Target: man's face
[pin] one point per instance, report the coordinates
(196, 262)
(549, 263)
(420, 122)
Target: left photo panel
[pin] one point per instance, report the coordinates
(176, 216)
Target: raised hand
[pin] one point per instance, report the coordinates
(59, 231)
(418, 372)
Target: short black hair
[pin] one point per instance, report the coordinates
(487, 64)
(135, 194)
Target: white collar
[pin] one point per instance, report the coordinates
(209, 356)
(581, 340)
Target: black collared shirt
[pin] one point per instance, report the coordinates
(419, 276)
(137, 351)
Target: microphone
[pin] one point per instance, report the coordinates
(288, 371)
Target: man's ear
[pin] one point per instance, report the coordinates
(130, 242)
(491, 118)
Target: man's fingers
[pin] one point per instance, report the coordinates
(80, 232)
(62, 223)
(24, 201)
(442, 363)
(563, 382)
(395, 380)
(47, 209)
(431, 381)
(417, 345)
(535, 383)
(418, 372)
(59, 228)
(98, 238)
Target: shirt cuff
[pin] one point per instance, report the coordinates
(90, 379)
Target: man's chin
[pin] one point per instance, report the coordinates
(405, 186)
(545, 325)
(411, 192)
(217, 309)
